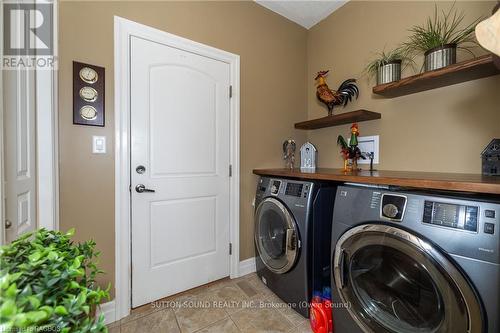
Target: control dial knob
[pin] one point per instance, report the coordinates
(274, 189)
(390, 210)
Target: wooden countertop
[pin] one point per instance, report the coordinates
(429, 180)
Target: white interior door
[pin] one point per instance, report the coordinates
(180, 128)
(20, 155)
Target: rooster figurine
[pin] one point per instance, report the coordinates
(347, 90)
(350, 151)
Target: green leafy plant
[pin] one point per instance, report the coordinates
(47, 284)
(383, 58)
(443, 28)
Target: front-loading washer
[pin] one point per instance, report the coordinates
(292, 237)
(411, 261)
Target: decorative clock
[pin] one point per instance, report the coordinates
(88, 94)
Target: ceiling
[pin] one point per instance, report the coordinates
(305, 13)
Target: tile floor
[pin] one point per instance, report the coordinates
(226, 306)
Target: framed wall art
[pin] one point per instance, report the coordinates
(88, 94)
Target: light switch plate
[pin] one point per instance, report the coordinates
(369, 144)
(98, 144)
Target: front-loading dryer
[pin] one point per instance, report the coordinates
(292, 237)
(411, 261)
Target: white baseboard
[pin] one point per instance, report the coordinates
(247, 266)
(109, 312)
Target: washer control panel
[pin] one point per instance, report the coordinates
(294, 189)
(451, 215)
(293, 192)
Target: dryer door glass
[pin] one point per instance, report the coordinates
(397, 282)
(276, 235)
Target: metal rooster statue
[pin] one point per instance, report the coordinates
(344, 94)
(350, 151)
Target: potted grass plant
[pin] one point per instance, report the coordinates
(47, 284)
(440, 37)
(387, 66)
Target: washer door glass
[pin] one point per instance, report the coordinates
(276, 235)
(397, 282)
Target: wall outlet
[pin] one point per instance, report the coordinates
(98, 144)
(369, 144)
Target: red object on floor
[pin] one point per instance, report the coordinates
(327, 304)
(320, 315)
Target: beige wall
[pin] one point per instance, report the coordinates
(273, 97)
(440, 130)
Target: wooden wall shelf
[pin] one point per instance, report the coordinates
(469, 70)
(496, 61)
(428, 180)
(338, 119)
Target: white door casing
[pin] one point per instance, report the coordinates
(2, 167)
(180, 134)
(28, 99)
(47, 136)
(125, 31)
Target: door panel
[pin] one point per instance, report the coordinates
(20, 154)
(180, 134)
(190, 92)
(184, 215)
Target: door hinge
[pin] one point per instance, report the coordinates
(230, 170)
(230, 248)
(130, 188)
(230, 91)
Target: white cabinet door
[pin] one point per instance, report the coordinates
(180, 127)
